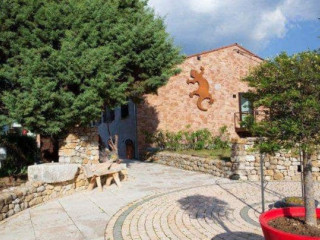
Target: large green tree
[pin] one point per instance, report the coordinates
(288, 89)
(63, 61)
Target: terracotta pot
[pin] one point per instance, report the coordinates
(271, 233)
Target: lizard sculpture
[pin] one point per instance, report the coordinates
(203, 90)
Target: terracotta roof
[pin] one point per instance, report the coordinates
(220, 48)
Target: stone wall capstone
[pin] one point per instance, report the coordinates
(216, 167)
(16, 199)
(80, 146)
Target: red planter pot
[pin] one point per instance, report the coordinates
(271, 233)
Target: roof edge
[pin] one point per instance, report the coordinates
(220, 48)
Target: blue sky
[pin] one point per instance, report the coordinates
(266, 27)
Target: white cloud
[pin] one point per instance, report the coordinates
(271, 24)
(199, 25)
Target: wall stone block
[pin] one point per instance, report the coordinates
(81, 146)
(16, 199)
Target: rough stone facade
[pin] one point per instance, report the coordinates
(216, 167)
(283, 165)
(80, 146)
(171, 109)
(16, 199)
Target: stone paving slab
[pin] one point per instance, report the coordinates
(157, 202)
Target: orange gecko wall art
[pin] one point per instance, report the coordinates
(203, 90)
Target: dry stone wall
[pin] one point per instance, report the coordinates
(216, 167)
(244, 164)
(16, 199)
(80, 146)
(284, 165)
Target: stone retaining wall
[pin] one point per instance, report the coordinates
(244, 164)
(284, 165)
(215, 167)
(80, 146)
(16, 199)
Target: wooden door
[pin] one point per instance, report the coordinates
(129, 149)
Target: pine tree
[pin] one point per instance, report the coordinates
(63, 61)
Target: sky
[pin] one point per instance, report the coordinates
(265, 27)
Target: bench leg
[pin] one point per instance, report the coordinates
(98, 180)
(116, 179)
(125, 174)
(109, 179)
(92, 183)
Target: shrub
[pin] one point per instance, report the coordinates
(173, 141)
(222, 140)
(196, 140)
(22, 151)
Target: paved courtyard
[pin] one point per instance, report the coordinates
(157, 202)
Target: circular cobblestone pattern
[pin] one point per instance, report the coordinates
(227, 211)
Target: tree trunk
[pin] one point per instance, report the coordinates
(49, 148)
(311, 218)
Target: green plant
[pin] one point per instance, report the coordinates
(173, 141)
(288, 88)
(196, 140)
(222, 140)
(202, 139)
(22, 151)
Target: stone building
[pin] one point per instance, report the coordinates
(217, 101)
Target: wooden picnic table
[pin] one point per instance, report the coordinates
(111, 171)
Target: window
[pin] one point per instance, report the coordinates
(124, 111)
(245, 106)
(109, 116)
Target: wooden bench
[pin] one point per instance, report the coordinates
(96, 171)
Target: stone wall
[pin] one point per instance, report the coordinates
(16, 199)
(215, 167)
(80, 146)
(244, 164)
(284, 165)
(172, 109)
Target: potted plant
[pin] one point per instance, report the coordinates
(288, 88)
(271, 233)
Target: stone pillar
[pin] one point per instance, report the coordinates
(245, 161)
(282, 165)
(80, 146)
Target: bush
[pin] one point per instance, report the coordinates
(173, 141)
(196, 140)
(22, 151)
(222, 140)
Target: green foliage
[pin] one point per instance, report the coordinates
(288, 89)
(21, 152)
(63, 61)
(199, 139)
(173, 140)
(222, 140)
(195, 140)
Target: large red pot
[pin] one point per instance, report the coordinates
(271, 233)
